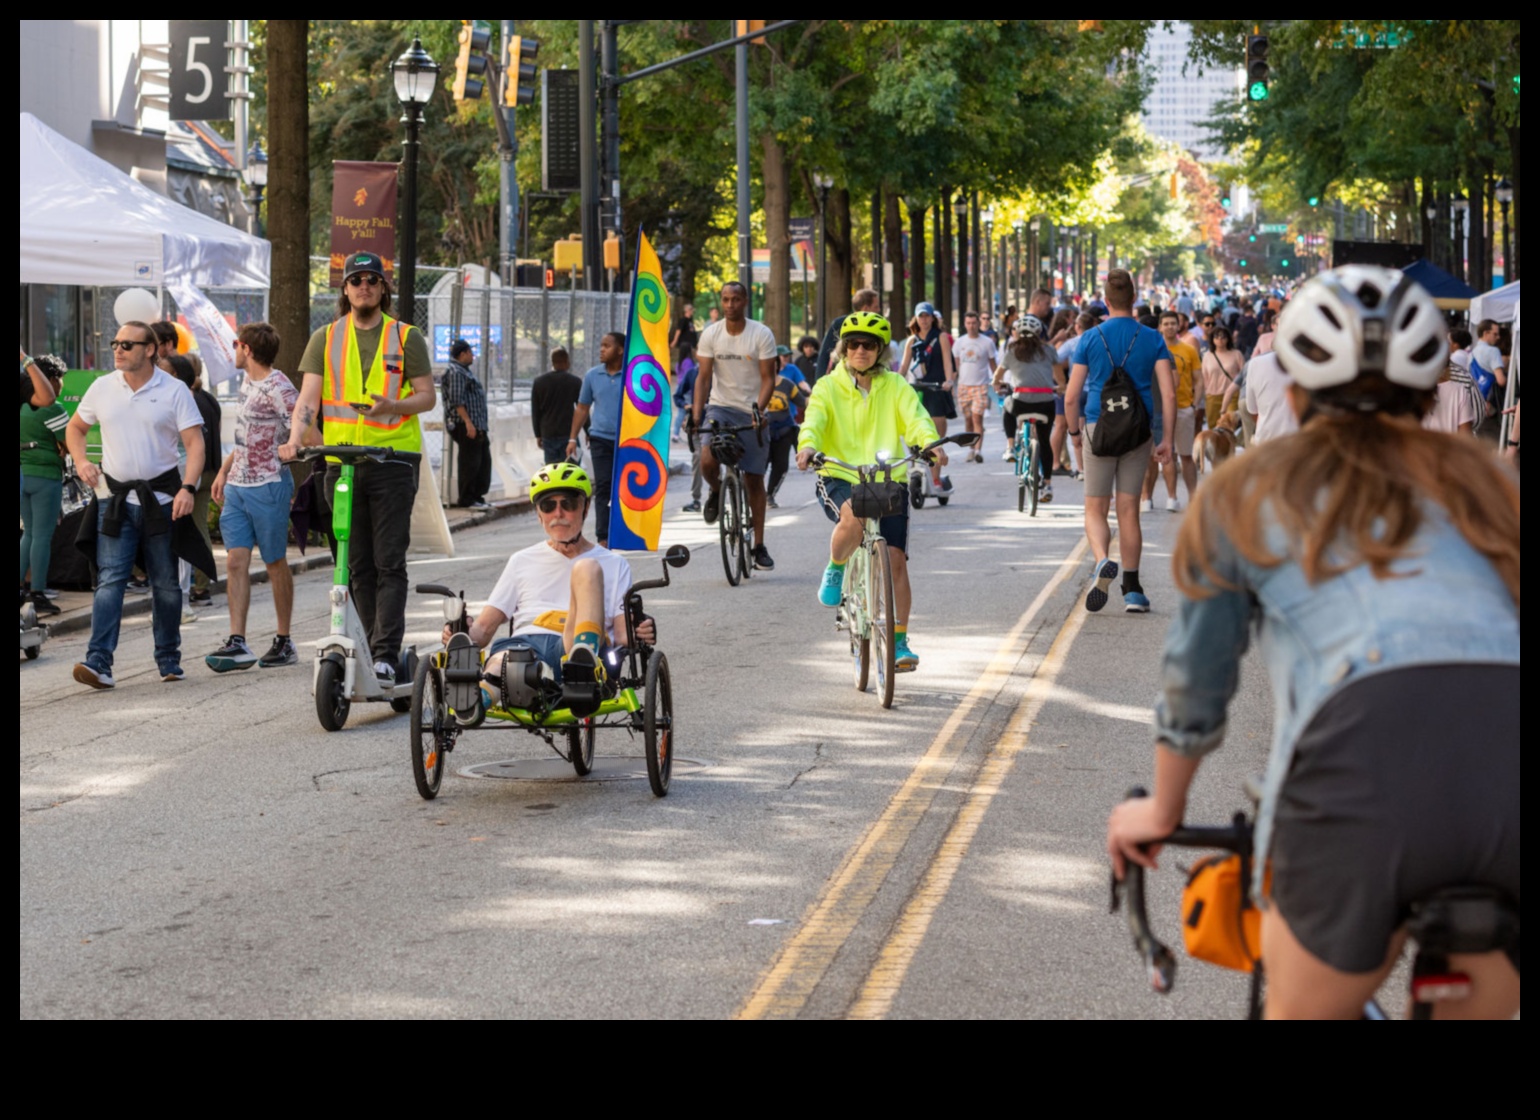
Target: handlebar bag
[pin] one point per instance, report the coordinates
(877, 499)
(727, 448)
(1220, 924)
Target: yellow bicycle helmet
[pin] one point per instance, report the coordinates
(560, 476)
(867, 322)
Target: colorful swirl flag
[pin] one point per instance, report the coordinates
(646, 413)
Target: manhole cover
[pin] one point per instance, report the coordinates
(558, 770)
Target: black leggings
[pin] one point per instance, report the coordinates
(1019, 407)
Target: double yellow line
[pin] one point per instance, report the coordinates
(805, 958)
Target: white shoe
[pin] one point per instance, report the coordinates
(189, 616)
(1146, 506)
(1007, 455)
(1172, 505)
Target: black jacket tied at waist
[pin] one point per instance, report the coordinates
(186, 542)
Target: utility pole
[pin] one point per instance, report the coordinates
(609, 66)
(588, 172)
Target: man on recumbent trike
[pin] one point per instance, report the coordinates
(566, 599)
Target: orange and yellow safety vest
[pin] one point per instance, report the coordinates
(344, 382)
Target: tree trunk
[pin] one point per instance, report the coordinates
(837, 286)
(288, 186)
(897, 301)
(917, 253)
(942, 229)
(777, 311)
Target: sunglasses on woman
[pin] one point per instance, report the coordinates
(364, 278)
(863, 344)
(568, 503)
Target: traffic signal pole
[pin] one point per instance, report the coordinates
(745, 263)
(507, 180)
(588, 171)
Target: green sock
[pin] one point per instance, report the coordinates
(838, 563)
(587, 635)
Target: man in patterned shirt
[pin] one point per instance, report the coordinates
(465, 415)
(254, 490)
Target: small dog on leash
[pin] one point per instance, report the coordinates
(1213, 447)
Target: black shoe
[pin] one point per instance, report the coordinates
(42, 604)
(282, 652)
(762, 561)
(693, 507)
(200, 598)
(713, 507)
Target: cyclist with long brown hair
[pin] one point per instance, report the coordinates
(1379, 564)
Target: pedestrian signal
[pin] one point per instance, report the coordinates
(471, 62)
(519, 71)
(1257, 71)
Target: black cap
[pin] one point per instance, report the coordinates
(355, 263)
(458, 346)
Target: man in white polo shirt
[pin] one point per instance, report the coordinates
(143, 502)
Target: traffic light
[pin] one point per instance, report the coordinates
(1315, 200)
(1284, 263)
(1224, 198)
(612, 251)
(1244, 263)
(1257, 72)
(471, 62)
(519, 71)
(1251, 237)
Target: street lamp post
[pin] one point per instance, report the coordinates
(1461, 209)
(1017, 227)
(1034, 249)
(1432, 213)
(416, 75)
(1504, 193)
(988, 217)
(824, 183)
(256, 178)
(959, 277)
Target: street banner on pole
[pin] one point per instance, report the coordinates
(646, 412)
(363, 213)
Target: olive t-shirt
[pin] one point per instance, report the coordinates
(418, 362)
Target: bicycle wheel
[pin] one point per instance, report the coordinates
(880, 584)
(658, 723)
(853, 607)
(745, 535)
(727, 526)
(430, 722)
(332, 702)
(1034, 477)
(580, 747)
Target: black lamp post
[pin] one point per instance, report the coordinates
(987, 216)
(1432, 214)
(1461, 206)
(1018, 227)
(824, 183)
(1034, 250)
(959, 275)
(416, 75)
(256, 178)
(1504, 193)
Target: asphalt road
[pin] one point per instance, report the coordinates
(204, 849)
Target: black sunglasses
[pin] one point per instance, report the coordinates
(862, 344)
(125, 345)
(569, 503)
(364, 278)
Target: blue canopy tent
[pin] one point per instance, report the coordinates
(1449, 292)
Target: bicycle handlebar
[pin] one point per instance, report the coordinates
(1159, 961)
(350, 452)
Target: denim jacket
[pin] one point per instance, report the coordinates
(1448, 605)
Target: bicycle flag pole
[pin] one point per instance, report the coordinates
(646, 412)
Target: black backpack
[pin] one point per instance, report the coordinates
(1124, 422)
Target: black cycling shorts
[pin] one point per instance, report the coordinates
(1403, 782)
(835, 492)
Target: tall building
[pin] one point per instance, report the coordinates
(1182, 98)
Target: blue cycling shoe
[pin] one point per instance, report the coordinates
(1136, 602)
(905, 660)
(833, 585)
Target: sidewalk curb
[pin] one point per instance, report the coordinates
(79, 619)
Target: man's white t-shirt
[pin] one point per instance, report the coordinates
(735, 358)
(975, 358)
(535, 589)
(1490, 357)
(1267, 397)
(141, 431)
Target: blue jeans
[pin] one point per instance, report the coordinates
(554, 448)
(115, 563)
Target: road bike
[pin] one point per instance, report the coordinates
(735, 524)
(452, 694)
(338, 682)
(867, 610)
(1460, 918)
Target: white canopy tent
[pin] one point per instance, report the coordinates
(1501, 304)
(85, 222)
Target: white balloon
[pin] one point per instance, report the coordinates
(136, 305)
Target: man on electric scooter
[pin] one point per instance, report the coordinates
(366, 378)
(565, 596)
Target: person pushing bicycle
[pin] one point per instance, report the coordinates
(858, 413)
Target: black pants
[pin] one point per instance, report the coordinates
(780, 458)
(1015, 412)
(603, 453)
(475, 465)
(382, 529)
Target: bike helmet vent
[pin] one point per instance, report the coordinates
(1362, 319)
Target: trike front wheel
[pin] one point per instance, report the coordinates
(431, 729)
(658, 723)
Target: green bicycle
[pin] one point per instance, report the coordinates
(867, 611)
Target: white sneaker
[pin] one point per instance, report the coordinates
(1172, 505)
(189, 616)
(1007, 455)
(1146, 506)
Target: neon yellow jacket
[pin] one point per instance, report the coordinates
(842, 423)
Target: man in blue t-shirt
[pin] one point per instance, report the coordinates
(1120, 341)
(600, 398)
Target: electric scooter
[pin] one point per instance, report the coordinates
(344, 670)
(921, 486)
(33, 632)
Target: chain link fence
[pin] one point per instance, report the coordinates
(522, 325)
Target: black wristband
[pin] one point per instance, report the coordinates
(191, 488)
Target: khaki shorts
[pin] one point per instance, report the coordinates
(973, 399)
(1124, 473)
(1186, 431)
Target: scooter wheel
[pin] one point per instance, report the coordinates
(332, 703)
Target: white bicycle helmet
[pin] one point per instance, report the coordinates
(1362, 319)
